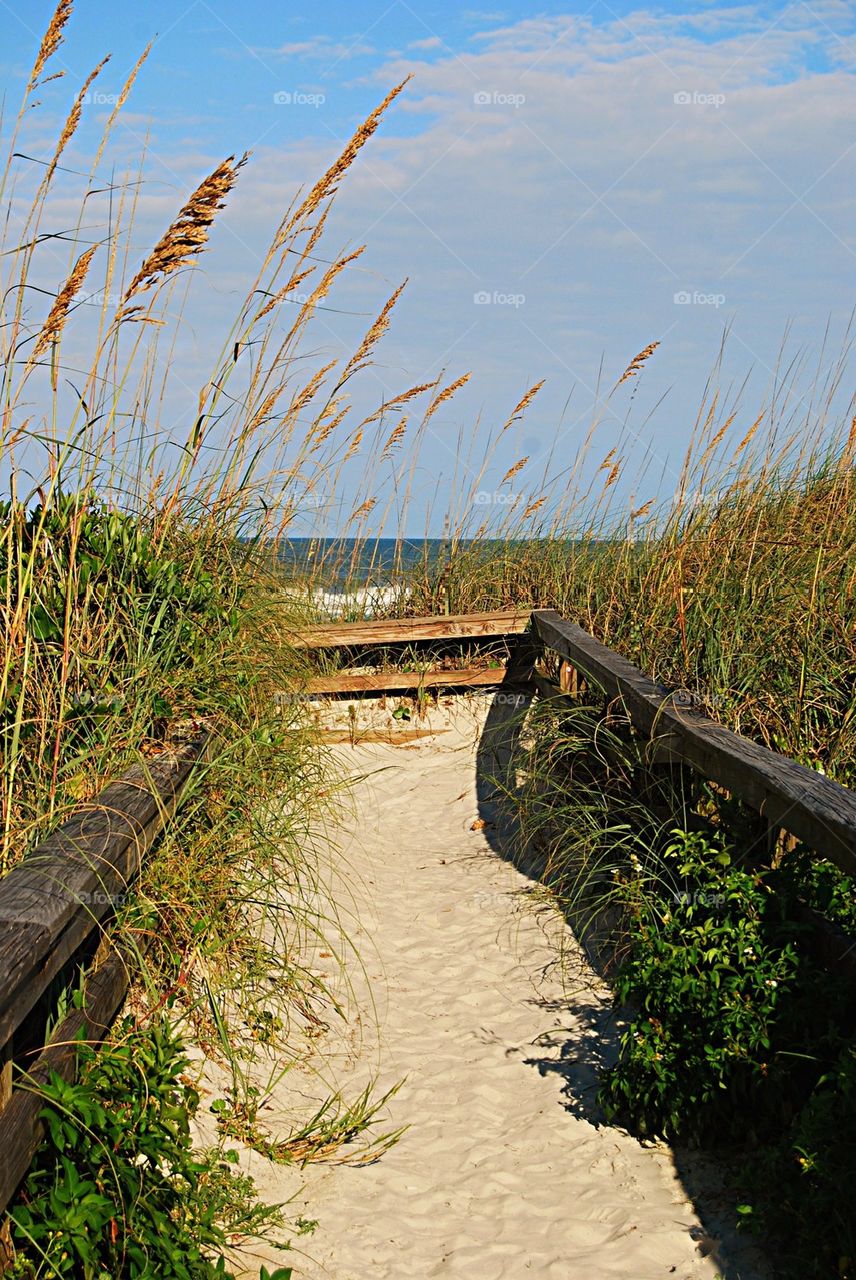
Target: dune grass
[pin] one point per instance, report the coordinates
(138, 593)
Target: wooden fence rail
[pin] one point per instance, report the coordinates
(788, 795)
(51, 905)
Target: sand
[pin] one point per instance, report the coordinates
(474, 993)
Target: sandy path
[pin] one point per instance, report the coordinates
(501, 1173)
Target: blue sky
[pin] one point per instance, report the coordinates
(561, 185)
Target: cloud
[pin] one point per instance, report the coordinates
(319, 47)
(563, 191)
(430, 42)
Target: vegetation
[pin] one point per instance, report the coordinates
(116, 1189)
(138, 594)
(136, 603)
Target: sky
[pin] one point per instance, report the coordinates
(561, 185)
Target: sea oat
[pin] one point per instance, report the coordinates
(637, 362)
(446, 394)
(52, 327)
(52, 38)
(188, 234)
(643, 510)
(356, 441)
(397, 402)
(276, 298)
(512, 471)
(395, 438)
(613, 475)
(716, 439)
(533, 507)
(750, 433)
(120, 102)
(524, 404)
(321, 290)
(327, 430)
(375, 333)
(367, 507)
(328, 184)
(302, 399)
(73, 120)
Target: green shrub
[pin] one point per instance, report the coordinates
(116, 1189)
(733, 1024)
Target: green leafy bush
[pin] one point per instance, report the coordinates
(116, 1189)
(733, 1022)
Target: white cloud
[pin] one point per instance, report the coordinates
(581, 184)
(319, 47)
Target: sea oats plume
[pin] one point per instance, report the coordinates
(328, 184)
(120, 102)
(637, 362)
(365, 509)
(751, 432)
(73, 120)
(395, 438)
(188, 234)
(374, 335)
(524, 404)
(643, 510)
(52, 38)
(446, 394)
(512, 471)
(58, 314)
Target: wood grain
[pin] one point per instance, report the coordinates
(338, 635)
(20, 1127)
(820, 812)
(52, 900)
(395, 681)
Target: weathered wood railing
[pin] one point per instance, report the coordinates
(787, 795)
(54, 907)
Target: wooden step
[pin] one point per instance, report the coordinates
(398, 681)
(345, 635)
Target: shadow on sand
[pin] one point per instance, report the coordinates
(578, 1052)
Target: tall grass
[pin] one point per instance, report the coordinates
(136, 599)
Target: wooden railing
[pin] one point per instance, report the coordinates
(786, 794)
(54, 909)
